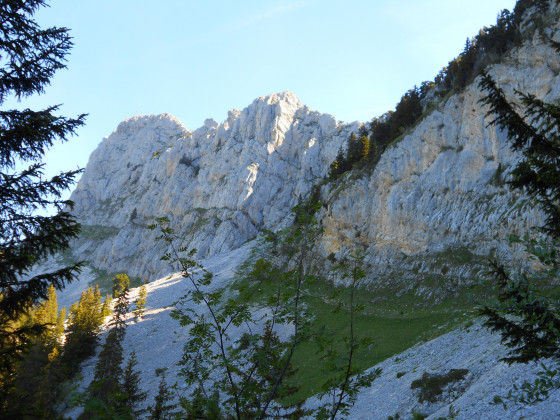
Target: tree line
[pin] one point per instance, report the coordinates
(491, 43)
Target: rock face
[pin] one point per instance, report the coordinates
(218, 185)
(440, 189)
(435, 199)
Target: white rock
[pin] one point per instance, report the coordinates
(218, 185)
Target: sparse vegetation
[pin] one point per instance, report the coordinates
(98, 232)
(431, 386)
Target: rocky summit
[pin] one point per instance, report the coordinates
(219, 185)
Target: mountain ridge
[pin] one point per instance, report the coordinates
(225, 180)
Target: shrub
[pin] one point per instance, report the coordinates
(431, 385)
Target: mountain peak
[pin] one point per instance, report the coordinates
(282, 98)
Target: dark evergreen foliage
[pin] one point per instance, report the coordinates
(383, 130)
(537, 135)
(108, 370)
(528, 321)
(106, 395)
(407, 111)
(36, 382)
(30, 57)
(162, 409)
(357, 150)
(488, 45)
(130, 388)
(527, 313)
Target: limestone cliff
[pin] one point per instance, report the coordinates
(439, 191)
(435, 201)
(219, 185)
(427, 216)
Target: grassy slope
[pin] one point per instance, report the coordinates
(393, 320)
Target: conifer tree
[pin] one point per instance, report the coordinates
(162, 408)
(353, 152)
(140, 302)
(108, 368)
(105, 393)
(120, 283)
(364, 147)
(33, 393)
(59, 333)
(337, 165)
(106, 307)
(85, 318)
(130, 388)
(527, 312)
(30, 57)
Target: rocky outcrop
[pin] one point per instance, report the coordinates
(219, 185)
(440, 189)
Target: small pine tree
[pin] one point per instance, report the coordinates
(106, 308)
(337, 165)
(130, 387)
(198, 406)
(120, 283)
(58, 333)
(140, 302)
(365, 148)
(108, 367)
(105, 390)
(46, 313)
(162, 409)
(353, 152)
(85, 318)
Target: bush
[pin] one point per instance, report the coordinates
(431, 385)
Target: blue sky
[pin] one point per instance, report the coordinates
(199, 59)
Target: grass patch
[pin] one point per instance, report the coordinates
(458, 256)
(393, 322)
(97, 232)
(394, 325)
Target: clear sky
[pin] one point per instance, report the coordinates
(198, 59)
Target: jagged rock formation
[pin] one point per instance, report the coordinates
(219, 185)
